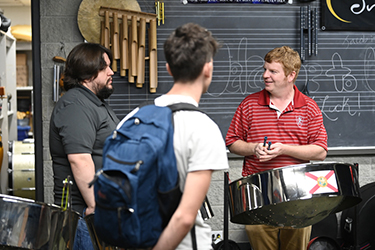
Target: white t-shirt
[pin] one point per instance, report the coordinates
(198, 145)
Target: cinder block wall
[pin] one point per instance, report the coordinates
(59, 34)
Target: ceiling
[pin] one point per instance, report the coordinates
(14, 3)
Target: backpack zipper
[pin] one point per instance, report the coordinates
(114, 135)
(137, 163)
(96, 176)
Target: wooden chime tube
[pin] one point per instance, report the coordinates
(134, 45)
(141, 53)
(106, 30)
(124, 46)
(153, 56)
(130, 56)
(102, 32)
(114, 61)
(116, 38)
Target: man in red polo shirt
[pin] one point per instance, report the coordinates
(293, 123)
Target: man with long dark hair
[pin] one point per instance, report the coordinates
(80, 123)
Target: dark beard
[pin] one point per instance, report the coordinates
(104, 93)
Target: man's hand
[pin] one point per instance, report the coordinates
(302, 152)
(267, 154)
(89, 210)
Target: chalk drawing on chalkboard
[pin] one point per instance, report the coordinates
(346, 104)
(343, 80)
(245, 73)
(309, 74)
(369, 68)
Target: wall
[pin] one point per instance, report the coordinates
(19, 15)
(59, 34)
(59, 27)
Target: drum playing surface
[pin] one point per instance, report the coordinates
(296, 196)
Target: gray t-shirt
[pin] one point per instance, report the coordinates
(80, 123)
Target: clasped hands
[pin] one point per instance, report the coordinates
(264, 154)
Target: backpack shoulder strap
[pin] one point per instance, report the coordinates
(184, 106)
(175, 107)
(145, 103)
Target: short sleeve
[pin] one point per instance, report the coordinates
(76, 128)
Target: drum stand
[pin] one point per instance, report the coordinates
(226, 244)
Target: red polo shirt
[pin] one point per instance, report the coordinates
(301, 123)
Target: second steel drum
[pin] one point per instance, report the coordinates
(295, 196)
(26, 224)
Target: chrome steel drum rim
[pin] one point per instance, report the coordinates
(27, 224)
(281, 196)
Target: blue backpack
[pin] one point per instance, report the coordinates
(137, 190)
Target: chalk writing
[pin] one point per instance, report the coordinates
(245, 73)
(349, 41)
(330, 111)
(343, 80)
(314, 71)
(369, 69)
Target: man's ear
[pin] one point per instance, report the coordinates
(208, 68)
(291, 76)
(168, 69)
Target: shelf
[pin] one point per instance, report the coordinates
(23, 46)
(9, 42)
(8, 118)
(27, 88)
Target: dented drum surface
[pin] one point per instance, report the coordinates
(26, 224)
(296, 196)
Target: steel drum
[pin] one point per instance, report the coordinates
(26, 224)
(295, 196)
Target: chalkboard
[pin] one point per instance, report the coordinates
(340, 78)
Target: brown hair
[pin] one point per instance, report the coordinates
(84, 62)
(187, 50)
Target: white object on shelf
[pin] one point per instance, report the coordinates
(8, 121)
(27, 88)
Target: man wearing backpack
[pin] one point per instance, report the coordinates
(198, 143)
(80, 123)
